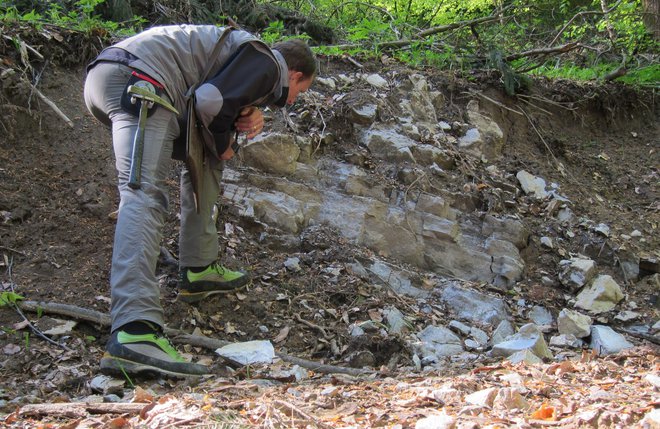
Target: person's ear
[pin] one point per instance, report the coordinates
(295, 76)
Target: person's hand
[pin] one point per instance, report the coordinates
(250, 121)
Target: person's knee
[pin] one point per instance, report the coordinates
(148, 196)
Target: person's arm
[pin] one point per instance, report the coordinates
(247, 77)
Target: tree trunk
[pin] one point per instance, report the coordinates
(651, 17)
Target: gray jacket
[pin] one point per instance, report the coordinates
(245, 72)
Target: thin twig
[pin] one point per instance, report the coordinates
(9, 249)
(487, 98)
(529, 119)
(295, 410)
(546, 100)
(313, 326)
(537, 107)
(287, 119)
(33, 328)
(354, 62)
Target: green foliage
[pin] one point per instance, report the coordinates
(605, 40)
(573, 72)
(9, 298)
(423, 54)
(644, 76)
(273, 33)
(370, 29)
(81, 17)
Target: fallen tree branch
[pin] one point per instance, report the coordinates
(177, 336)
(544, 51)
(53, 106)
(81, 409)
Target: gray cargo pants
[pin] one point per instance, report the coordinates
(134, 288)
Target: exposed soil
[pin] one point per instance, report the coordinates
(57, 193)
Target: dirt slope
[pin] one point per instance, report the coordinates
(57, 191)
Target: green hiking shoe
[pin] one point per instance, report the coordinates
(148, 355)
(214, 279)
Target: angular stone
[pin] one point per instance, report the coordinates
(439, 341)
(435, 205)
(525, 356)
(460, 327)
(388, 145)
(506, 263)
(570, 322)
(107, 385)
(428, 155)
(606, 341)
(566, 340)
(540, 315)
(528, 337)
(507, 229)
(376, 81)
(248, 353)
(415, 102)
(651, 420)
(576, 272)
(491, 139)
(532, 185)
(447, 394)
(396, 322)
(440, 228)
(436, 421)
(483, 398)
(510, 399)
(474, 306)
(503, 330)
(279, 210)
(602, 295)
(273, 153)
(479, 336)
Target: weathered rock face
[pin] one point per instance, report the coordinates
(290, 188)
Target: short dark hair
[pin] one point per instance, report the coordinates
(298, 56)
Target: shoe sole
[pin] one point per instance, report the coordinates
(121, 367)
(193, 297)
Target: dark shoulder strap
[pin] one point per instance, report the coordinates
(213, 56)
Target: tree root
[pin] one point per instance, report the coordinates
(178, 336)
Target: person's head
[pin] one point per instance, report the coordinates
(301, 63)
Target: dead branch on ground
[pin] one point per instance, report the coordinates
(177, 336)
(81, 409)
(561, 49)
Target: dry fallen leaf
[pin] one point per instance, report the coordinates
(141, 395)
(561, 368)
(545, 412)
(284, 332)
